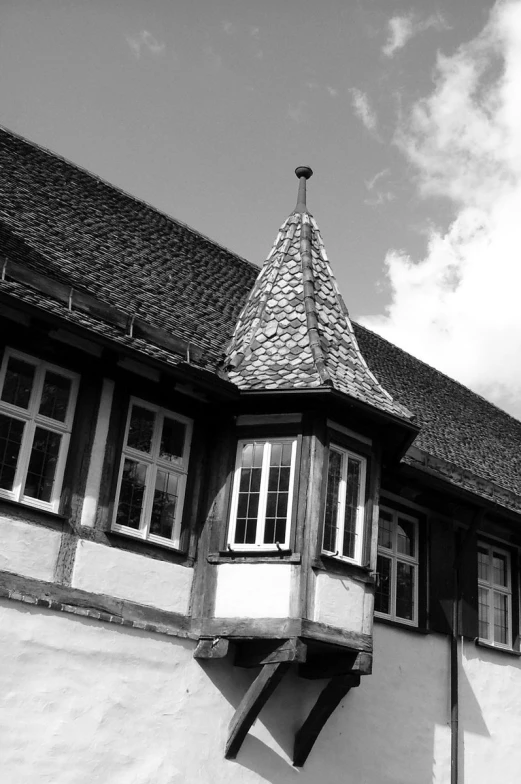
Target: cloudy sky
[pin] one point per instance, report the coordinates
(408, 112)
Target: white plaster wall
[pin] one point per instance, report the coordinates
(253, 590)
(85, 702)
(29, 550)
(115, 572)
(490, 715)
(343, 602)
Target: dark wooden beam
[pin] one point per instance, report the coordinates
(329, 698)
(211, 648)
(256, 653)
(252, 703)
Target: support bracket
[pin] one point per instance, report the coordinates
(252, 703)
(327, 701)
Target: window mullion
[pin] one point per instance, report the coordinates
(263, 494)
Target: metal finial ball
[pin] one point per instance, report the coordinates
(304, 171)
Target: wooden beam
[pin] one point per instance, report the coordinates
(211, 648)
(329, 698)
(336, 636)
(256, 653)
(252, 703)
(274, 628)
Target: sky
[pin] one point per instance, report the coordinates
(409, 114)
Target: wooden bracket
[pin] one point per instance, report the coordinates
(211, 648)
(328, 699)
(252, 703)
(256, 653)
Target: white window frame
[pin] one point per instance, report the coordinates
(263, 494)
(32, 420)
(394, 556)
(360, 513)
(492, 588)
(153, 462)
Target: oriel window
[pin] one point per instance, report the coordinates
(344, 508)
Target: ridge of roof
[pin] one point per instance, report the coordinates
(294, 330)
(138, 201)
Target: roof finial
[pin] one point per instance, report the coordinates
(303, 173)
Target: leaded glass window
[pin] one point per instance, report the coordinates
(344, 507)
(396, 595)
(153, 472)
(494, 595)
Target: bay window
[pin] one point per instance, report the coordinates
(262, 495)
(37, 403)
(152, 475)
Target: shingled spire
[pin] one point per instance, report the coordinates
(294, 331)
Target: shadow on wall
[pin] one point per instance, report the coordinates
(393, 729)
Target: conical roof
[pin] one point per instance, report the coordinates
(294, 331)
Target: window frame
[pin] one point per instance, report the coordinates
(361, 532)
(153, 462)
(259, 545)
(33, 419)
(492, 587)
(394, 556)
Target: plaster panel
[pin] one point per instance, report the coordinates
(115, 572)
(343, 602)
(27, 549)
(253, 590)
(490, 716)
(85, 701)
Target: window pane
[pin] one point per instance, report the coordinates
(278, 493)
(172, 440)
(131, 494)
(248, 497)
(18, 382)
(483, 565)
(164, 505)
(351, 509)
(483, 613)
(382, 599)
(500, 618)
(141, 428)
(334, 474)
(404, 591)
(405, 537)
(385, 529)
(499, 566)
(42, 464)
(55, 396)
(11, 432)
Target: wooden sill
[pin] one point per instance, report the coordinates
(33, 514)
(399, 625)
(329, 563)
(254, 556)
(508, 651)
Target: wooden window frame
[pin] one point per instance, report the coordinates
(394, 556)
(492, 587)
(33, 419)
(259, 546)
(361, 533)
(153, 462)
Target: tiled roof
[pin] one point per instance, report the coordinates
(294, 331)
(65, 223)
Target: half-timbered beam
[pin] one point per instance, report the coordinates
(329, 698)
(252, 703)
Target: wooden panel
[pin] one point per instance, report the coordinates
(252, 703)
(329, 698)
(441, 575)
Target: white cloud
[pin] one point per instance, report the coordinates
(402, 28)
(297, 112)
(458, 308)
(332, 91)
(363, 109)
(229, 28)
(147, 41)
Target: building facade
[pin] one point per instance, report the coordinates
(242, 538)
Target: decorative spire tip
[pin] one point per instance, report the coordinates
(303, 173)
